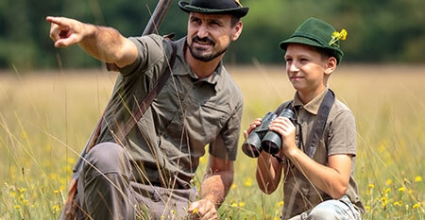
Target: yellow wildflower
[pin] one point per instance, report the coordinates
(336, 36)
(416, 206)
(248, 182)
(387, 190)
(233, 186)
(195, 211)
(56, 208)
(402, 189)
(398, 203)
(367, 208)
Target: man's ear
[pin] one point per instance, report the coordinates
(330, 65)
(237, 31)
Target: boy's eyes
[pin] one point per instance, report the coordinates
(300, 59)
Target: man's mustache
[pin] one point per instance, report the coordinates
(203, 40)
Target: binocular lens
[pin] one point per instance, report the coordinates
(263, 139)
(270, 147)
(252, 146)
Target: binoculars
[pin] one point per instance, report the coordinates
(261, 138)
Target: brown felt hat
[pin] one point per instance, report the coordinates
(232, 7)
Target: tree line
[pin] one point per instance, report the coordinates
(379, 31)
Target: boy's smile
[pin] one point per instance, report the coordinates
(307, 69)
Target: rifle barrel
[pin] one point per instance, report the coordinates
(157, 17)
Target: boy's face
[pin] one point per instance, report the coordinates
(307, 69)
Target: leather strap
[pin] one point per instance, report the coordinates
(320, 122)
(136, 115)
(144, 105)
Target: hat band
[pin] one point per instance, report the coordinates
(216, 4)
(310, 37)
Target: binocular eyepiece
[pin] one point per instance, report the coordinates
(261, 138)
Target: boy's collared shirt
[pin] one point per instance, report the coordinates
(339, 137)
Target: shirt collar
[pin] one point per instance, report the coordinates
(313, 105)
(184, 69)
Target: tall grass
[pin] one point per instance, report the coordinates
(45, 119)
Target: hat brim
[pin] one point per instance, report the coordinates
(306, 41)
(238, 12)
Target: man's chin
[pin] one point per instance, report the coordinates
(203, 58)
(204, 55)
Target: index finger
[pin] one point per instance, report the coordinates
(57, 20)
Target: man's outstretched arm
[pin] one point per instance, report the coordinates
(103, 43)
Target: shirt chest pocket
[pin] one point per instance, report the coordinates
(201, 124)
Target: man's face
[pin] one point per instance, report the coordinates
(209, 35)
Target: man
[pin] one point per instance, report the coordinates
(148, 173)
(317, 160)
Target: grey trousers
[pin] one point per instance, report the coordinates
(332, 209)
(106, 190)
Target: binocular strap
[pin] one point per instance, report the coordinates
(320, 122)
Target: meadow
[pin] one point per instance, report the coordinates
(46, 118)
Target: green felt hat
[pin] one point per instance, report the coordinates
(317, 33)
(232, 7)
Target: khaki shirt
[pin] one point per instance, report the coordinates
(339, 137)
(187, 114)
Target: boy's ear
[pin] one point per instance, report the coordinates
(331, 65)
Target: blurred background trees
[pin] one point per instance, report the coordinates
(379, 31)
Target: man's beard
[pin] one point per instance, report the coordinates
(199, 55)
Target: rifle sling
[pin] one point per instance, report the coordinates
(136, 115)
(144, 105)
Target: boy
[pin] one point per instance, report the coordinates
(319, 147)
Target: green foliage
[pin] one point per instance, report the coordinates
(378, 31)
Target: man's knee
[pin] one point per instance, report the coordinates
(107, 158)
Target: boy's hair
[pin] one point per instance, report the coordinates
(324, 53)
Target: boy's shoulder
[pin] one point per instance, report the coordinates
(341, 106)
(284, 105)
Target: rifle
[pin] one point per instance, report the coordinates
(71, 206)
(153, 24)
